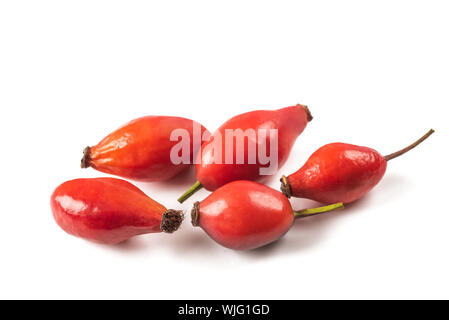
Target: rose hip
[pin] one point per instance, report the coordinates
(109, 210)
(140, 150)
(289, 123)
(245, 215)
(340, 172)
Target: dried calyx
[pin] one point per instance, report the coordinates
(285, 187)
(171, 220)
(85, 160)
(309, 114)
(195, 213)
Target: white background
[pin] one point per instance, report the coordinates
(374, 73)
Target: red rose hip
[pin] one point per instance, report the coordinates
(340, 172)
(245, 215)
(109, 210)
(289, 123)
(140, 150)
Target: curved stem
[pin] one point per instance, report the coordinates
(194, 188)
(410, 147)
(313, 211)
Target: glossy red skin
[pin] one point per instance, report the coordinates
(289, 121)
(245, 215)
(105, 210)
(338, 172)
(140, 150)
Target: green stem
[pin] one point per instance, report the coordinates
(194, 188)
(313, 211)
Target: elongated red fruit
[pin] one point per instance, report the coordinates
(140, 150)
(109, 210)
(340, 172)
(245, 215)
(289, 123)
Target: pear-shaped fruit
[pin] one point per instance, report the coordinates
(340, 172)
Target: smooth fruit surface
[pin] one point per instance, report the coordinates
(109, 210)
(289, 122)
(140, 150)
(244, 215)
(337, 172)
